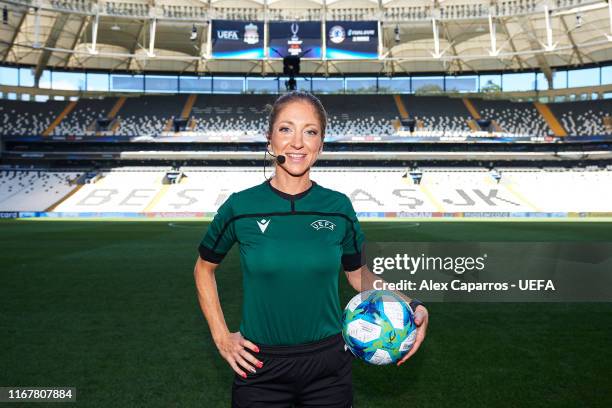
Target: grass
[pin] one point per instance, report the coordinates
(110, 308)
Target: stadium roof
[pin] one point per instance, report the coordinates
(452, 36)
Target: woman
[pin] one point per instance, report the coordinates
(294, 235)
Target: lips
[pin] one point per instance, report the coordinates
(296, 157)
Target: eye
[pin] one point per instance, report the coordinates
(312, 132)
(283, 129)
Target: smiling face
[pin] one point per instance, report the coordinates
(296, 133)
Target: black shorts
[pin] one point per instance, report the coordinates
(316, 374)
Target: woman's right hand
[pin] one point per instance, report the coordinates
(233, 347)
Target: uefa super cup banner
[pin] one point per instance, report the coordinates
(351, 40)
(237, 39)
(297, 39)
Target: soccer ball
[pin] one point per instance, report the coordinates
(378, 327)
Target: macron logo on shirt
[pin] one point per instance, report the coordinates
(263, 224)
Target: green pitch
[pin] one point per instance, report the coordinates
(110, 308)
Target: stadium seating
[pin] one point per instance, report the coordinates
(247, 115)
(20, 118)
(371, 190)
(229, 115)
(353, 117)
(81, 121)
(33, 190)
(583, 118)
(517, 118)
(359, 116)
(148, 115)
(438, 114)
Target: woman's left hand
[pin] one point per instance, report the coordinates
(421, 319)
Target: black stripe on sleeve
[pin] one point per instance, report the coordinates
(352, 262)
(210, 255)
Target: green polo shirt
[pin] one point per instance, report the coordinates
(292, 248)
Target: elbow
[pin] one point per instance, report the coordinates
(203, 268)
(354, 279)
(198, 269)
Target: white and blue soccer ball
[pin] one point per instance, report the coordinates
(378, 327)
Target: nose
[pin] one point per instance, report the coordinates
(297, 142)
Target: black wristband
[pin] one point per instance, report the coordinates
(414, 303)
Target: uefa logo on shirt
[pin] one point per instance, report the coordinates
(318, 224)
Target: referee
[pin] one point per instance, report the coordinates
(294, 235)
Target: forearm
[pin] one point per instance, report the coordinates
(208, 298)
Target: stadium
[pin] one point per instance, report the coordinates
(124, 125)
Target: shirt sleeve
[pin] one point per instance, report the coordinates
(353, 256)
(220, 235)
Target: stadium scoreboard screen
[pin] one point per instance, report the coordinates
(304, 39)
(352, 40)
(237, 39)
(297, 39)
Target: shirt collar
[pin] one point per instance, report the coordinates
(291, 197)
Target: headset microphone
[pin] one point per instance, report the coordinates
(280, 159)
